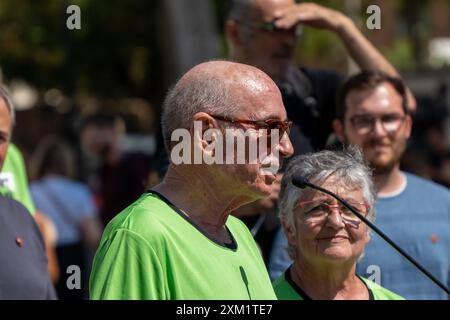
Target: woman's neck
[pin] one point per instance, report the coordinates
(333, 281)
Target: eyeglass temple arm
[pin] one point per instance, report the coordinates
(302, 183)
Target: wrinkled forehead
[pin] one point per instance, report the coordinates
(335, 184)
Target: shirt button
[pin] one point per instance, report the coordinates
(19, 241)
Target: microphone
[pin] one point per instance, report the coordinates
(302, 183)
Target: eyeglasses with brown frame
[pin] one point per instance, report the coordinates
(318, 210)
(269, 124)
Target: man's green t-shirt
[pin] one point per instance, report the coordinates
(13, 179)
(151, 250)
(286, 289)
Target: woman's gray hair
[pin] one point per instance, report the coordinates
(4, 93)
(347, 166)
(199, 94)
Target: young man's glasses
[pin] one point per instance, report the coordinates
(364, 124)
(317, 211)
(269, 124)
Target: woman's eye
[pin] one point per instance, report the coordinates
(320, 207)
(346, 210)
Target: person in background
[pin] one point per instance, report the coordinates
(265, 33)
(23, 261)
(116, 177)
(70, 205)
(14, 184)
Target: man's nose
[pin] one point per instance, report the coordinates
(286, 148)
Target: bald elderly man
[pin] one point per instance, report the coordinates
(178, 240)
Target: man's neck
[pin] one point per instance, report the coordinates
(389, 181)
(200, 198)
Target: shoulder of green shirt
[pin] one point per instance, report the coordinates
(15, 165)
(381, 293)
(143, 216)
(285, 291)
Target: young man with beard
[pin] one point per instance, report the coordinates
(414, 212)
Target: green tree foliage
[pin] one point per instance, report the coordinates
(117, 52)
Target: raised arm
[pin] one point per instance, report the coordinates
(364, 53)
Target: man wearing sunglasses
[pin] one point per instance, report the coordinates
(264, 33)
(414, 212)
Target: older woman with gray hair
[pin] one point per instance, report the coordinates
(325, 239)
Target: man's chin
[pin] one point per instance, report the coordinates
(381, 167)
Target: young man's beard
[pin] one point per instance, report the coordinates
(383, 170)
(386, 168)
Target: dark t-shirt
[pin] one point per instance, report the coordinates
(309, 96)
(23, 261)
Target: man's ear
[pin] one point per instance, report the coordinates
(232, 33)
(202, 122)
(338, 128)
(289, 232)
(408, 126)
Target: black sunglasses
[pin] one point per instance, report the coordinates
(271, 27)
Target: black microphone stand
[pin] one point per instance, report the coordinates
(302, 183)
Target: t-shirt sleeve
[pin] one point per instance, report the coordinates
(14, 164)
(126, 267)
